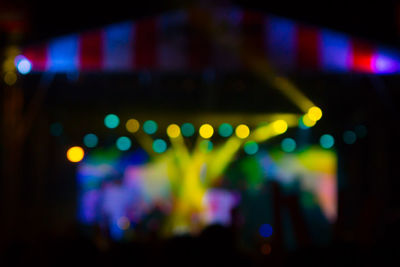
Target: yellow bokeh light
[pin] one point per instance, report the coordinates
(8, 65)
(206, 131)
(242, 131)
(75, 154)
(173, 131)
(314, 113)
(280, 126)
(132, 125)
(307, 121)
(10, 78)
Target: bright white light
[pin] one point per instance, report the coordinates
(23, 65)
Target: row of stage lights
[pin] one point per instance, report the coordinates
(206, 131)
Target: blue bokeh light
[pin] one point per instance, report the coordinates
(265, 230)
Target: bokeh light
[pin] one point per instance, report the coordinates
(251, 147)
(10, 78)
(75, 154)
(242, 131)
(314, 113)
(349, 137)
(173, 131)
(288, 145)
(187, 129)
(266, 249)
(225, 130)
(279, 126)
(90, 140)
(265, 230)
(123, 143)
(56, 129)
(206, 131)
(111, 121)
(206, 145)
(123, 223)
(132, 125)
(23, 65)
(150, 127)
(159, 146)
(327, 141)
(307, 121)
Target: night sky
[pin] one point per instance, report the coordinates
(373, 20)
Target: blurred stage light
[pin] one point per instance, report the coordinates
(327, 141)
(90, 140)
(173, 131)
(23, 65)
(187, 129)
(159, 146)
(111, 121)
(288, 145)
(150, 127)
(123, 143)
(242, 131)
(132, 125)
(307, 121)
(251, 147)
(206, 131)
(10, 78)
(123, 223)
(279, 126)
(75, 154)
(314, 113)
(206, 145)
(265, 230)
(225, 130)
(349, 137)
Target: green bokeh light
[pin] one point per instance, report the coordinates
(123, 143)
(327, 141)
(288, 145)
(251, 147)
(187, 129)
(159, 146)
(150, 127)
(225, 130)
(90, 140)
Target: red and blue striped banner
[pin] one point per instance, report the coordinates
(172, 42)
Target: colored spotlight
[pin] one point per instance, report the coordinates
(187, 129)
(90, 140)
(206, 145)
(123, 143)
(173, 131)
(265, 230)
(314, 113)
(206, 131)
(279, 126)
(159, 146)
(349, 137)
(23, 65)
(327, 141)
(111, 121)
(288, 145)
(75, 154)
(150, 127)
(307, 121)
(132, 125)
(242, 131)
(225, 130)
(251, 147)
